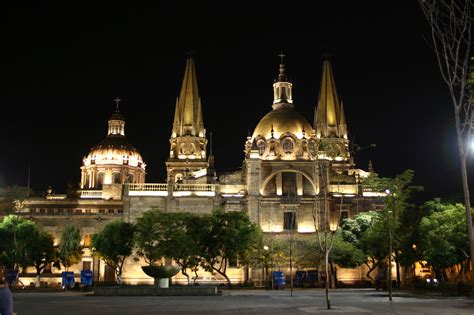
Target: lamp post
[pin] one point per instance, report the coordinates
(390, 249)
(265, 276)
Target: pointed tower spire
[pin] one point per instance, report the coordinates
(188, 112)
(188, 154)
(342, 123)
(327, 114)
(282, 88)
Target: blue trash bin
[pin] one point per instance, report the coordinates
(87, 277)
(279, 280)
(67, 279)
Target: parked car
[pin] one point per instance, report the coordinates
(208, 280)
(306, 278)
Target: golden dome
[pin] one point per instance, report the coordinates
(284, 120)
(114, 150)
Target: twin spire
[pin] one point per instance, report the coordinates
(188, 112)
(329, 117)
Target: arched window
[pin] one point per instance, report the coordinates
(116, 178)
(261, 147)
(287, 145)
(100, 180)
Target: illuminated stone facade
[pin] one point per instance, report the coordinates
(292, 170)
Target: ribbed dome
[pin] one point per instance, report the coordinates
(114, 149)
(283, 120)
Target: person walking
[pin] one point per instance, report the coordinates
(6, 298)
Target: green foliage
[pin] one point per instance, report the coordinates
(353, 229)
(343, 253)
(444, 239)
(229, 237)
(148, 236)
(70, 249)
(115, 243)
(41, 250)
(171, 235)
(16, 234)
(346, 254)
(24, 244)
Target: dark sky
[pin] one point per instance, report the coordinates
(61, 68)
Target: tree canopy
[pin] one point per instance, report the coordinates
(70, 249)
(114, 244)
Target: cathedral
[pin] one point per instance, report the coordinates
(296, 175)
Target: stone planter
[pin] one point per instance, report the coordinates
(161, 274)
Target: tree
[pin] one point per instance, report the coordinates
(182, 246)
(398, 192)
(148, 235)
(228, 237)
(450, 23)
(114, 244)
(176, 236)
(444, 241)
(70, 249)
(16, 235)
(41, 251)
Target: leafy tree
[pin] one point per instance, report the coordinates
(398, 191)
(181, 234)
(41, 251)
(148, 235)
(228, 237)
(354, 230)
(16, 235)
(70, 249)
(114, 244)
(171, 235)
(444, 238)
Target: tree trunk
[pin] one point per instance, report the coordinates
(397, 266)
(371, 268)
(291, 270)
(183, 271)
(229, 284)
(328, 301)
(467, 203)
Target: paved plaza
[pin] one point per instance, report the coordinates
(308, 301)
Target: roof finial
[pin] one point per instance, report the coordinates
(117, 101)
(282, 74)
(281, 55)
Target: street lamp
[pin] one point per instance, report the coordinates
(390, 248)
(265, 278)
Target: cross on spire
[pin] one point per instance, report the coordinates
(281, 55)
(117, 101)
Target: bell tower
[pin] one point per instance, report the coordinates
(187, 162)
(329, 118)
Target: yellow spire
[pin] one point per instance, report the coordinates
(342, 123)
(188, 115)
(327, 116)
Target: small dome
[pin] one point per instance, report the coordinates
(284, 120)
(114, 150)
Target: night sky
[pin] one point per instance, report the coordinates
(62, 67)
